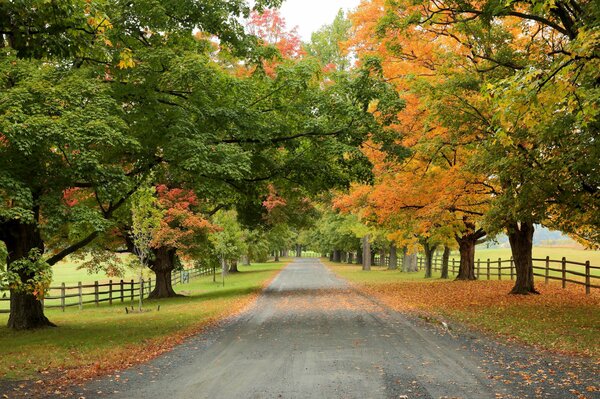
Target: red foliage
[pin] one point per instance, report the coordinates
(74, 195)
(180, 224)
(271, 27)
(273, 200)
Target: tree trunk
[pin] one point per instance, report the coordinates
(276, 256)
(445, 261)
(298, 250)
(359, 255)
(162, 265)
(331, 256)
(393, 265)
(233, 267)
(337, 255)
(366, 250)
(373, 257)
(520, 236)
(466, 246)
(409, 261)
(429, 251)
(350, 257)
(245, 260)
(382, 257)
(26, 311)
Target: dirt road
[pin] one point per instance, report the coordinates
(312, 336)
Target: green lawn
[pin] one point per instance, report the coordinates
(556, 253)
(68, 272)
(107, 337)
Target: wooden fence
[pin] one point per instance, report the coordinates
(112, 291)
(565, 271)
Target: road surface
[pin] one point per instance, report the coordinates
(311, 336)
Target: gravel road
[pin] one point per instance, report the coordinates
(311, 336)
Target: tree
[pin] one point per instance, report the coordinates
(146, 217)
(327, 43)
(537, 60)
(65, 126)
(228, 243)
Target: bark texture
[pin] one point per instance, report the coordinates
(520, 236)
(445, 261)
(366, 252)
(26, 311)
(429, 251)
(466, 246)
(233, 267)
(163, 264)
(393, 265)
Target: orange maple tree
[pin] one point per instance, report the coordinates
(428, 194)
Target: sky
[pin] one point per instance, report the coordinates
(310, 15)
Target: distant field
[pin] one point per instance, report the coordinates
(68, 272)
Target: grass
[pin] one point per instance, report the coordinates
(556, 253)
(106, 338)
(559, 319)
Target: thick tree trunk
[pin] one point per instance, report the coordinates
(276, 256)
(520, 236)
(162, 265)
(366, 250)
(359, 255)
(337, 255)
(429, 251)
(298, 250)
(466, 246)
(26, 311)
(409, 261)
(233, 267)
(393, 265)
(445, 261)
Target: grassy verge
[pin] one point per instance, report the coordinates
(563, 320)
(101, 339)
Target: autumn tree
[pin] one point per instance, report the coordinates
(528, 79)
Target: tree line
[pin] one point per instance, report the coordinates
(178, 133)
(499, 132)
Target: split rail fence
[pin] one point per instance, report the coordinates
(111, 291)
(563, 270)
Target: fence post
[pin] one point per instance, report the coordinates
(478, 268)
(122, 292)
(149, 285)
(564, 272)
(547, 269)
(96, 295)
(488, 268)
(499, 269)
(512, 273)
(110, 292)
(131, 291)
(453, 271)
(587, 277)
(62, 296)
(142, 288)
(80, 296)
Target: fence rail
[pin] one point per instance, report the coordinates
(64, 296)
(578, 273)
